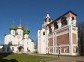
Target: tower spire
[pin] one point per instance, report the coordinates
(13, 22)
(20, 26)
(20, 22)
(47, 16)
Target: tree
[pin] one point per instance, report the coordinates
(81, 37)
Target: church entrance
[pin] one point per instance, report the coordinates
(20, 48)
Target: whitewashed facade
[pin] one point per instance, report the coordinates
(17, 41)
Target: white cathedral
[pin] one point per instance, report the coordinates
(18, 41)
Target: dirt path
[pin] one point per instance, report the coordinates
(68, 59)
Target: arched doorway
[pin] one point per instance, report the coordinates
(28, 50)
(20, 48)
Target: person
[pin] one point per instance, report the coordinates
(58, 54)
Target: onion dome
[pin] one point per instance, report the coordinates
(20, 27)
(12, 27)
(26, 31)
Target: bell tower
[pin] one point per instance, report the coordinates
(47, 20)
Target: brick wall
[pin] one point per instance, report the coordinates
(74, 38)
(63, 39)
(50, 42)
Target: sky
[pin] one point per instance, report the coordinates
(33, 12)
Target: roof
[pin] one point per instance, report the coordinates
(20, 27)
(62, 16)
(12, 27)
(26, 31)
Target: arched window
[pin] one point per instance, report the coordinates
(55, 25)
(10, 43)
(50, 30)
(20, 48)
(45, 20)
(72, 18)
(49, 20)
(43, 33)
(63, 21)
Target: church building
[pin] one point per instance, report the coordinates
(18, 41)
(59, 36)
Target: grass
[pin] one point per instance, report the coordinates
(36, 58)
(24, 58)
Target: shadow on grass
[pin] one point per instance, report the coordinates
(3, 55)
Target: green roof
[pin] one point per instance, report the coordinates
(26, 31)
(12, 27)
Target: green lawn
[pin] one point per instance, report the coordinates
(23, 58)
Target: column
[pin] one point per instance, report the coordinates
(59, 24)
(47, 40)
(69, 20)
(74, 22)
(52, 27)
(77, 40)
(70, 40)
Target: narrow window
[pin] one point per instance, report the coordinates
(50, 30)
(45, 20)
(10, 43)
(63, 21)
(49, 20)
(43, 33)
(72, 18)
(55, 25)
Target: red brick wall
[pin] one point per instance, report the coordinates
(74, 38)
(50, 42)
(63, 39)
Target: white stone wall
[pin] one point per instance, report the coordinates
(19, 32)
(18, 40)
(12, 32)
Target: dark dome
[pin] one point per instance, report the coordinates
(26, 31)
(12, 27)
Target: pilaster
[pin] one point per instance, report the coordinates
(53, 42)
(70, 40)
(59, 24)
(69, 20)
